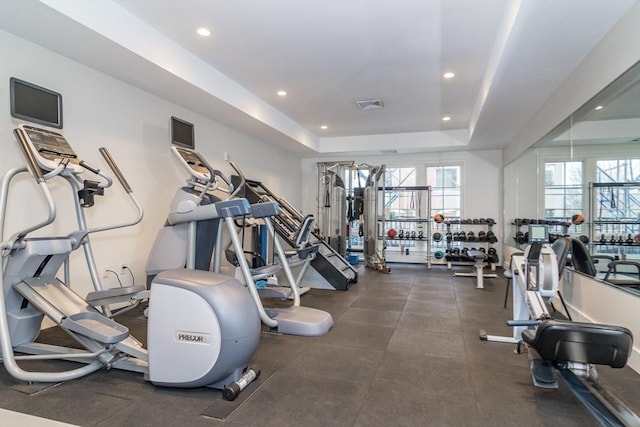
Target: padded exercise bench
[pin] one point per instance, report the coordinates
(479, 257)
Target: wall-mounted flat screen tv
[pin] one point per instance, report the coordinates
(35, 104)
(182, 133)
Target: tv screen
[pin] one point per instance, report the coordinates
(182, 133)
(35, 104)
(538, 233)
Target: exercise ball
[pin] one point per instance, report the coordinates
(637, 238)
(392, 233)
(438, 255)
(438, 218)
(577, 219)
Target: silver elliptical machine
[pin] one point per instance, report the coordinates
(176, 243)
(203, 328)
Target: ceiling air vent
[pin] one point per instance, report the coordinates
(370, 104)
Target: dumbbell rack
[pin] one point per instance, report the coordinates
(556, 227)
(458, 238)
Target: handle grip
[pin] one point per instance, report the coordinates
(89, 167)
(28, 154)
(243, 180)
(116, 170)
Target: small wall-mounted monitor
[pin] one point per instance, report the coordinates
(35, 104)
(182, 133)
(538, 233)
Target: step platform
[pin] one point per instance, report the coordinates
(304, 321)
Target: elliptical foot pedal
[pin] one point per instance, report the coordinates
(115, 295)
(95, 326)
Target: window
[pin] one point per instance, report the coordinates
(401, 204)
(562, 190)
(619, 203)
(618, 170)
(445, 190)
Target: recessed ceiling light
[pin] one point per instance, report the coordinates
(599, 107)
(324, 127)
(446, 118)
(448, 75)
(282, 93)
(204, 32)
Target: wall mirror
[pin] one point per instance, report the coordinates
(589, 165)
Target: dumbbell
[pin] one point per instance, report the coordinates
(491, 221)
(482, 236)
(492, 251)
(437, 236)
(471, 235)
(449, 236)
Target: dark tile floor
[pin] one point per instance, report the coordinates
(404, 351)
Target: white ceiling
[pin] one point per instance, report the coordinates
(508, 56)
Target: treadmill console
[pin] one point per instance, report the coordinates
(194, 164)
(50, 148)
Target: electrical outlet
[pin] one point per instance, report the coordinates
(124, 269)
(106, 272)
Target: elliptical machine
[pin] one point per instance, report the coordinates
(202, 329)
(193, 232)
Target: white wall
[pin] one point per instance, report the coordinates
(481, 178)
(133, 125)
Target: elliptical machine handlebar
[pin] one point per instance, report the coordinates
(29, 156)
(127, 188)
(114, 167)
(243, 180)
(230, 190)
